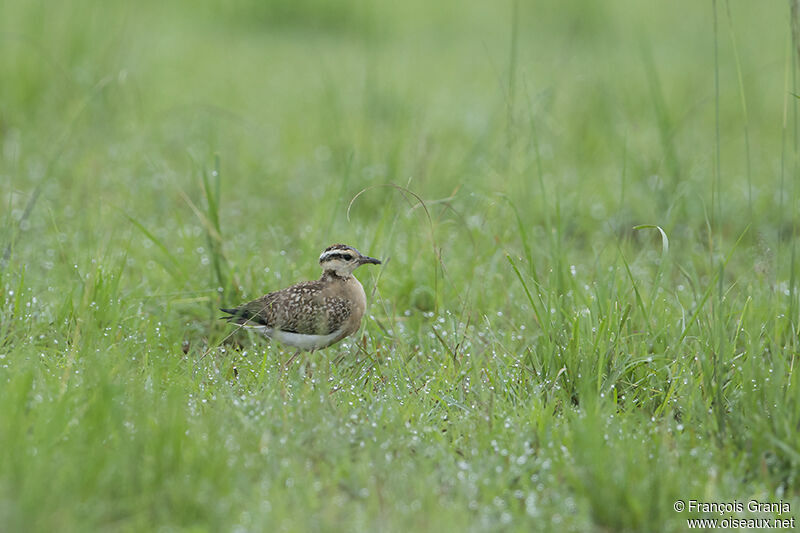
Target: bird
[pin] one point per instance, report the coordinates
(311, 315)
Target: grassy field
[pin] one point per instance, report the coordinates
(589, 304)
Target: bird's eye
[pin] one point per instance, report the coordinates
(347, 257)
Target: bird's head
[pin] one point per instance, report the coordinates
(343, 260)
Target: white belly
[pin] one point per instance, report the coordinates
(300, 340)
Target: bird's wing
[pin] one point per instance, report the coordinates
(301, 308)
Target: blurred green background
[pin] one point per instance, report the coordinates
(529, 361)
(111, 107)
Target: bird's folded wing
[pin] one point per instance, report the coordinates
(298, 309)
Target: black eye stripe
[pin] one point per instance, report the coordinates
(343, 257)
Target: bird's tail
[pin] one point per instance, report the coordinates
(232, 314)
(239, 315)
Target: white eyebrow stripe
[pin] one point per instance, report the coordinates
(337, 253)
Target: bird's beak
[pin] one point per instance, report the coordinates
(369, 260)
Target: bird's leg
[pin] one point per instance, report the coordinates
(289, 362)
(309, 366)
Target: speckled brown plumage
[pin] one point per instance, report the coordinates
(307, 308)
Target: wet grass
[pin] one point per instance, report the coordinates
(588, 307)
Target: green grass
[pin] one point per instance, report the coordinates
(589, 303)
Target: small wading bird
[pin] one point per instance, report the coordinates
(313, 314)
